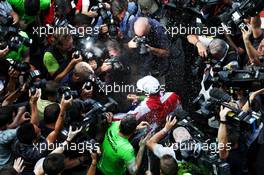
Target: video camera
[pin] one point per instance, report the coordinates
(192, 150)
(247, 8)
(252, 79)
(247, 121)
(94, 114)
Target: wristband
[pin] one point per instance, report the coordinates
(164, 131)
(196, 43)
(223, 122)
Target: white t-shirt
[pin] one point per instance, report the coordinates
(160, 151)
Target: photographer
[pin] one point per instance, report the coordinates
(28, 10)
(150, 38)
(123, 13)
(56, 162)
(227, 135)
(216, 49)
(255, 55)
(255, 102)
(48, 96)
(7, 11)
(78, 77)
(8, 129)
(116, 148)
(57, 59)
(114, 64)
(31, 145)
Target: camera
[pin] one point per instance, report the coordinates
(141, 42)
(6, 21)
(19, 66)
(192, 150)
(102, 11)
(38, 84)
(85, 54)
(112, 29)
(115, 63)
(67, 92)
(14, 42)
(247, 121)
(94, 114)
(247, 8)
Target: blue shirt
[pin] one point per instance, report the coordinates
(6, 139)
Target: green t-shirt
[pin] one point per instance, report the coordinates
(17, 55)
(18, 6)
(117, 152)
(50, 62)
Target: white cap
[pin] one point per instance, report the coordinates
(181, 134)
(148, 84)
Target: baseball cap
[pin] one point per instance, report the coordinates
(148, 84)
(148, 6)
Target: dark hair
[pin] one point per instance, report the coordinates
(26, 133)
(53, 164)
(51, 113)
(50, 90)
(168, 165)
(81, 19)
(117, 6)
(8, 171)
(6, 115)
(32, 7)
(128, 125)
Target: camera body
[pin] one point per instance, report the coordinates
(102, 11)
(67, 92)
(237, 15)
(141, 43)
(115, 63)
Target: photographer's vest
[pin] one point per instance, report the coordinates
(62, 60)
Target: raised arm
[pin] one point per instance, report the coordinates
(65, 104)
(170, 122)
(222, 134)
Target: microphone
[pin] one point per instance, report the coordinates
(220, 95)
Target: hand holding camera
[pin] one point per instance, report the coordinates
(72, 133)
(34, 97)
(65, 103)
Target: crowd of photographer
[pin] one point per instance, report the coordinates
(83, 88)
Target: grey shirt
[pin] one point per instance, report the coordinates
(6, 139)
(5, 9)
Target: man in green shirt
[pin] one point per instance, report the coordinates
(58, 58)
(28, 9)
(117, 153)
